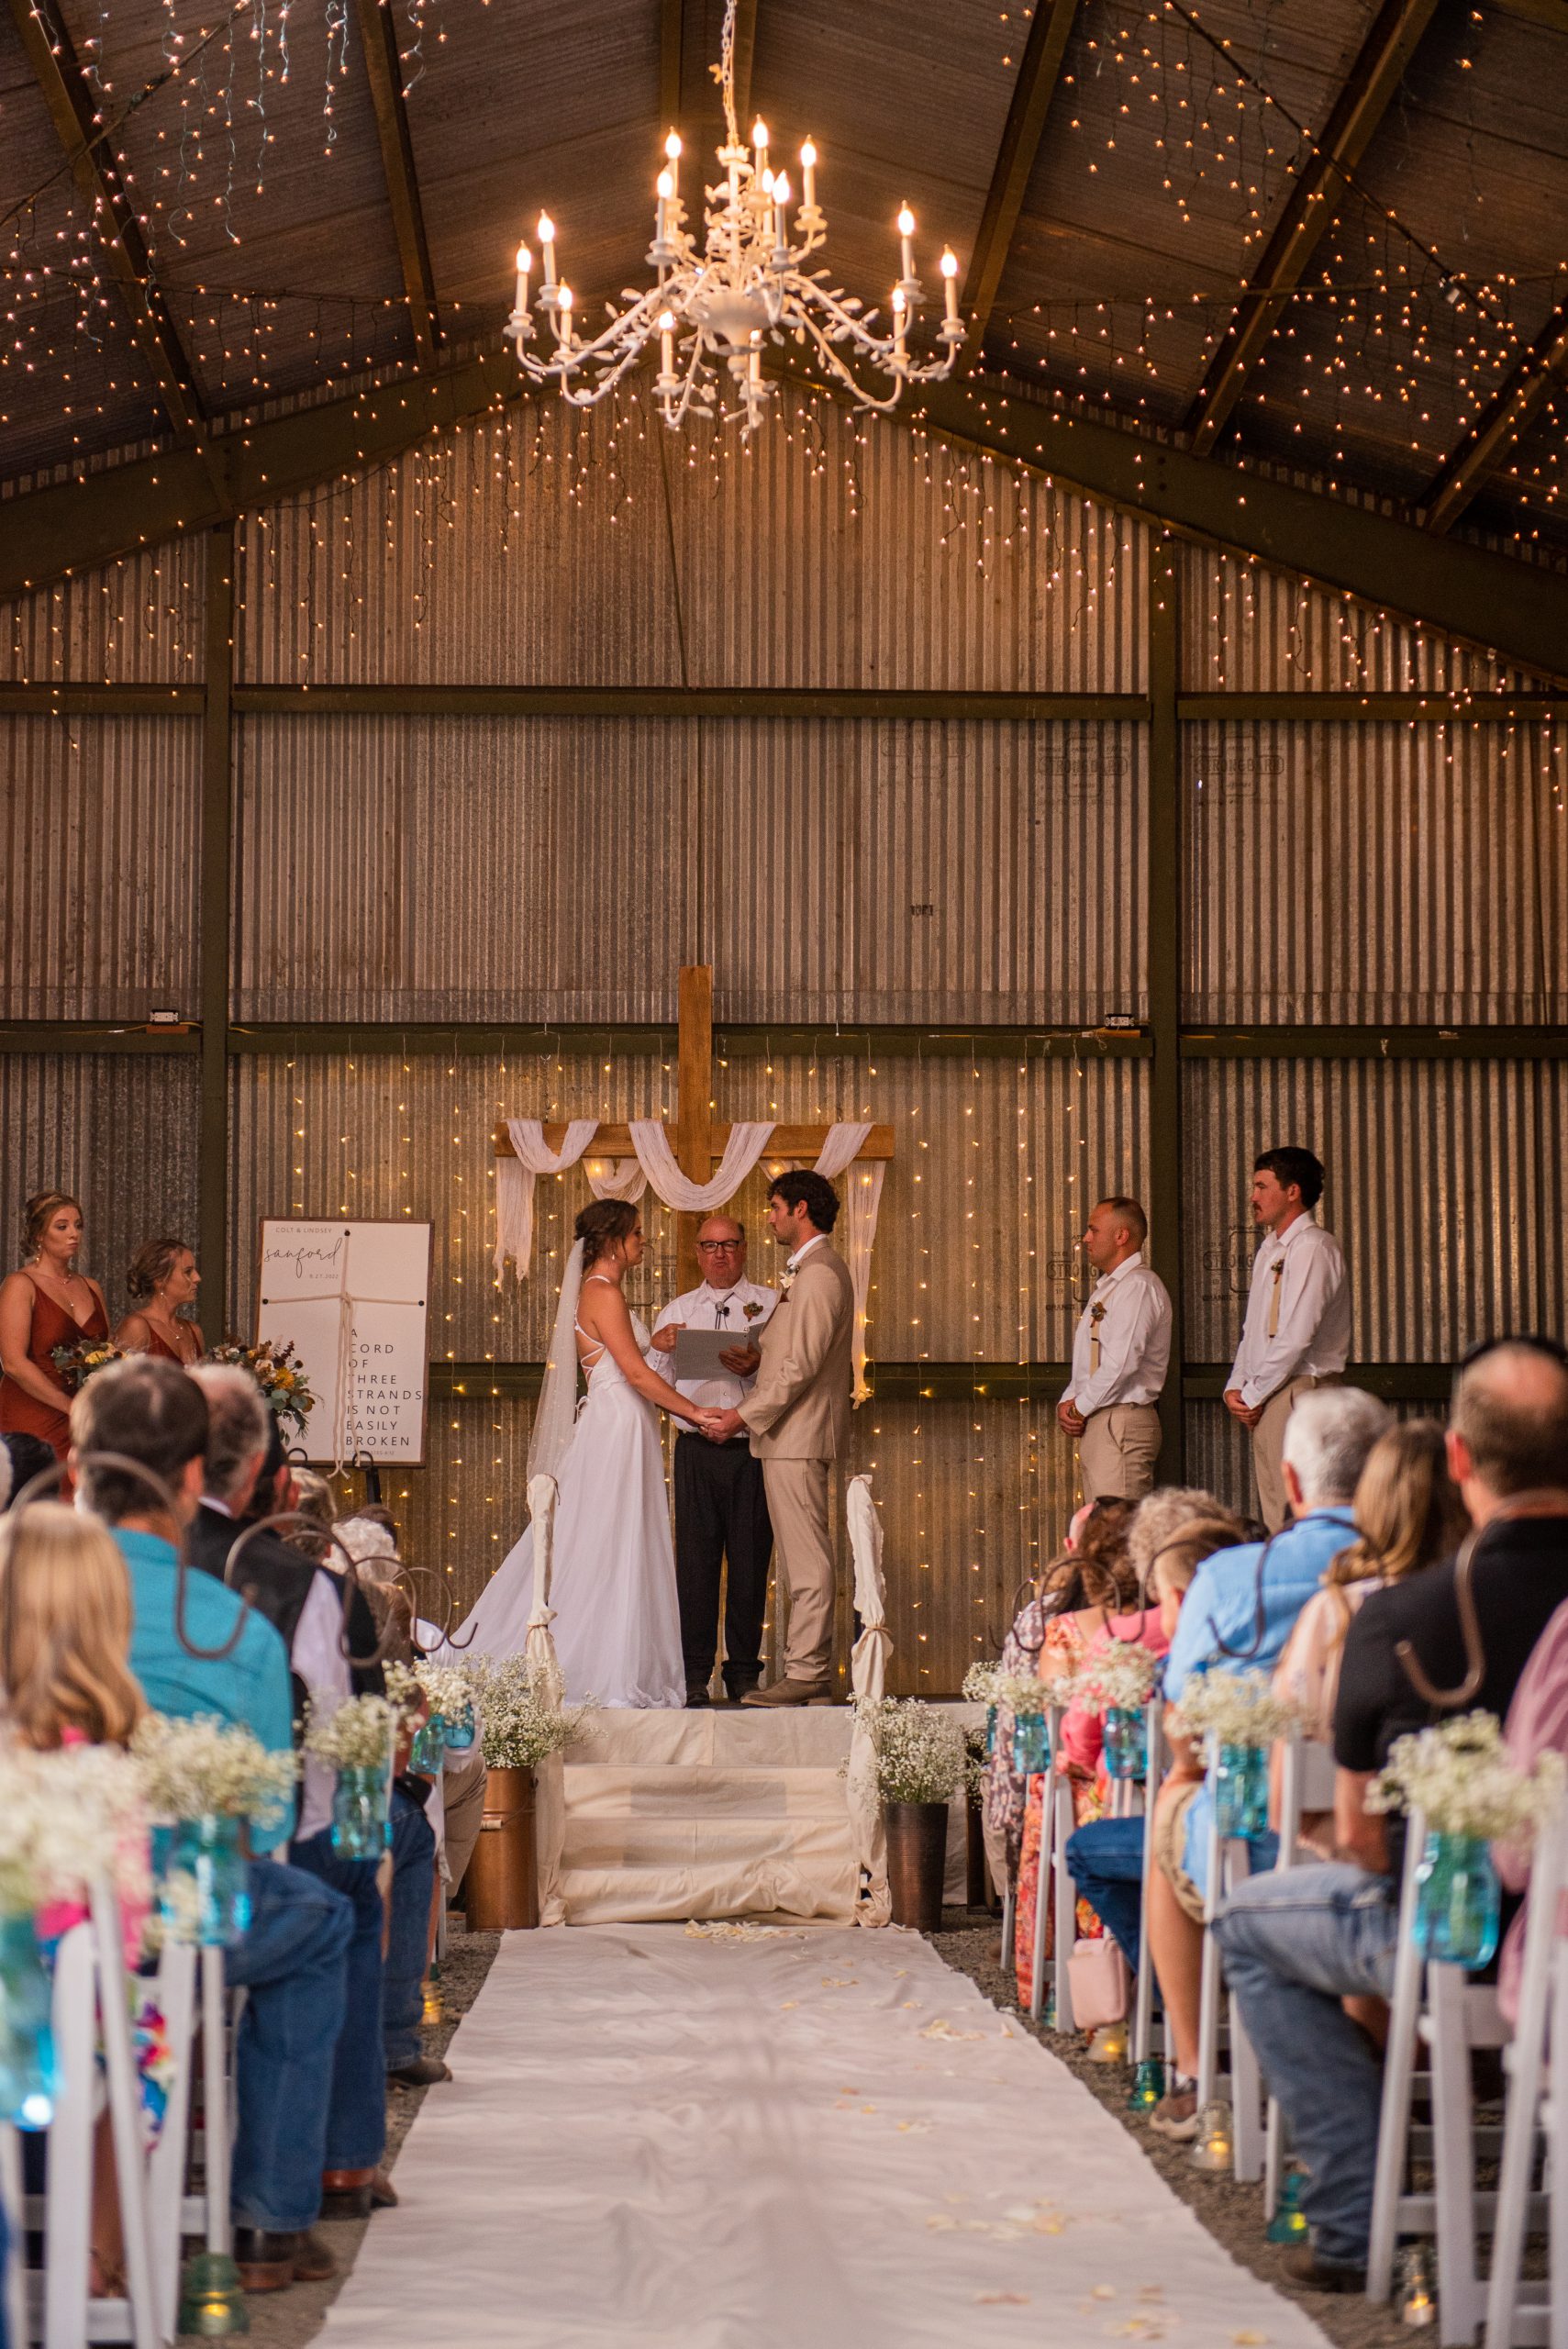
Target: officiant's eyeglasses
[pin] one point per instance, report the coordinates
(718, 1247)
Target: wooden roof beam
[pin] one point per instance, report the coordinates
(1506, 418)
(79, 127)
(384, 71)
(1039, 70)
(1368, 90)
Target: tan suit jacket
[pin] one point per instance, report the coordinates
(800, 1407)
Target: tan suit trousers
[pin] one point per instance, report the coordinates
(1118, 1449)
(1268, 1445)
(798, 1504)
(463, 1799)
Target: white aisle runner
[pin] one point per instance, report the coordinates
(819, 2140)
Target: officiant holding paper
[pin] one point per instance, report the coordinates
(708, 1340)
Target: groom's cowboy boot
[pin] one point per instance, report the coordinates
(792, 1692)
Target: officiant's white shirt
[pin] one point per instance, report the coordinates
(719, 1308)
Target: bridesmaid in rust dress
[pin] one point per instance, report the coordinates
(163, 1277)
(49, 1303)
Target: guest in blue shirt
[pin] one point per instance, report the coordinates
(1237, 1618)
(292, 1959)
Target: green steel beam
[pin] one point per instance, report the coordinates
(1162, 882)
(672, 701)
(383, 76)
(218, 817)
(1039, 70)
(96, 1036)
(1315, 1043)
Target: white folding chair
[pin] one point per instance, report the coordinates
(56, 2306)
(1514, 2321)
(1143, 1995)
(166, 2170)
(1229, 1864)
(1041, 1969)
(208, 2212)
(1440, 2007)
(1065, 1898)
(1306, 1786)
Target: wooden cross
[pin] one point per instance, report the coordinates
(700, 1138)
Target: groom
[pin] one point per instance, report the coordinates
(798, 1415)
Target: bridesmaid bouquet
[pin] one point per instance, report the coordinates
(81, 1358)
(277, 1371)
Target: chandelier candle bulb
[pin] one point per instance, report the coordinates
(950, 276)
(808, 169)
(563, 314)
(667, 348)
(525, 263)
(760, 141)
(665, 185)
(900, 314)
(905, 238)
(547, 247)
(780, 204)
(673, 154)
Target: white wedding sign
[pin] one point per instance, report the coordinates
(353, 1299)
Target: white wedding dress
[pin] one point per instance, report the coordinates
(617, 1623)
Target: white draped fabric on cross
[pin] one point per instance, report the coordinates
(655, 1165)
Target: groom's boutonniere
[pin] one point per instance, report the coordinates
(786, 1282)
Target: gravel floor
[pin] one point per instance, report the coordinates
(1233, 2214)
(288, 2320)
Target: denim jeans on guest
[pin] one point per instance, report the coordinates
(292, 1963)
(1294, 1944)
(408, 1943)
(1106, 1861)
(356, 2120)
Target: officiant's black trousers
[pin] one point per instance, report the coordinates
(720, 1507)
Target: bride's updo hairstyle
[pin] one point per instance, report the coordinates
(601, 1225)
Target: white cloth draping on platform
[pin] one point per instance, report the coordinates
(516, 1177)
(868, 1679)
(748, 1140)
(863, 1204)
(539, 1648)
(622, 1180)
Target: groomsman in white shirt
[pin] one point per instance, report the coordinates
(1120, 1353)
(720, 1506)
(1297, 1333)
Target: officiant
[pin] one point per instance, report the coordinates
(720, 1507)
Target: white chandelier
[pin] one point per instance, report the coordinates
(712, 309)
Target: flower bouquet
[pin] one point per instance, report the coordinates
(920, 1759)
(358, 1741)
(77, 1359)
(1114, 1684)
(277, 1371)
(204, 1779)
(67, 1819)
(521, 1725)
(1459, 1777)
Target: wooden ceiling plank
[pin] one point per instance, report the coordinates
(1505, 419)
(79, 127)
(1039, 73)
(384, 72)
(1368, 92)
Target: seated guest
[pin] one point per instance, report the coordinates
(313, 1499)
(1295, 1945)
(201, 1652)
(312, 1608)
(1538, 1724)
(161, 1278)
(26, 1456)
(1409, 1514)
(1237, 1616)
(1106, 1858)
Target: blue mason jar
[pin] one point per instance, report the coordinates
(1458, 1900)
(461, 1729)
(428, 1748)
(1031, 1747)
(1240, 1777)
(211, 1851)
(361, 1819)
(1125, 1743)
(30, 2077)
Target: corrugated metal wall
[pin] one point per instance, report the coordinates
(100, 849)
(540, 546)
(137, 622)
(119, 1132)
(957, 875)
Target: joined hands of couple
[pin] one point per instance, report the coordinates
(719, 1426)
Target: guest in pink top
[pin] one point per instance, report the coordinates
(1537, 1723)
(1082, 1731)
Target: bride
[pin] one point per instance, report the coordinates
(616, 1627)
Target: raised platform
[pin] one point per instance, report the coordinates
(727, 1812)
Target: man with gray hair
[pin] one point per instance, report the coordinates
(1296, 1946)
(1236, 1615)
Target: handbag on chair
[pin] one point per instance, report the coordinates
(1097, 1972)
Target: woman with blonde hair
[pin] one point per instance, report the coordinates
(65, 1625)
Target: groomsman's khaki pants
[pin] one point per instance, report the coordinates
(1268, 1446)
(798, 1504)
(1118, 1449)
